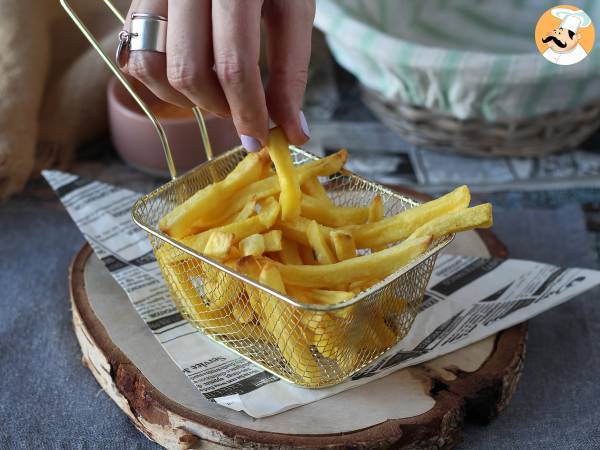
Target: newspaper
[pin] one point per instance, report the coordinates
(467, 300)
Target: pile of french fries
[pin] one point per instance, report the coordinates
(281, 229)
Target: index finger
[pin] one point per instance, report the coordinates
(236, 45)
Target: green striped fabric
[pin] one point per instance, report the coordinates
(470, 59)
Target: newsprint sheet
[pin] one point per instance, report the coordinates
(467, 300)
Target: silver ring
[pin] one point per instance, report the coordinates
(148, 32)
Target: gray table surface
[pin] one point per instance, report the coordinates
(48, 399)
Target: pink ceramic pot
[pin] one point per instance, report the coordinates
(138, 144)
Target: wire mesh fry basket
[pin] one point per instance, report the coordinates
(311, 345)
(306, 344)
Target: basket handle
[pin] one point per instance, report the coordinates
(117, 72)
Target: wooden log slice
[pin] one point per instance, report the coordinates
(419, 407)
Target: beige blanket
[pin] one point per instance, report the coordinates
(52, 85)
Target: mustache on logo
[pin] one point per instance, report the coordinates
(555, 40)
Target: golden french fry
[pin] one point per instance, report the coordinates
(189, 289)
(400, 226)
(343, 243)
(270, 186)
(234, 253)
(376, 210)
(376, 265)
(179, 222)
(307, 255)
(295, 229)
(323, 167)
(361, 285)
(242, 311)
(290, 196)
(249, 266)
(467, 219)
(393, 306)
(248, 210)
(289, 253)
(253, 245)
(219, 287)
(385, 337)
(313, 208)
(337, 334)
(282, 321)
(318, 243)
(219, 245)
(330, 297)
(315, 189)
(273, 241)
(263, 221)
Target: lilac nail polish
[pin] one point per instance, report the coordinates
(304, 125)
(251, 144)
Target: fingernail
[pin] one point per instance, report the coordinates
(250, 143)
(304, 124)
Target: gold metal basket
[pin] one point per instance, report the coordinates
(307, 344)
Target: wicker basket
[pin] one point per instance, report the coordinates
(523, 138)
(464, 76)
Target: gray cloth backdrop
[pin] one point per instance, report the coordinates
(49, 400)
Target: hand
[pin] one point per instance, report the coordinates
(213, 48)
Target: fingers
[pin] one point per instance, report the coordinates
(289, 27)
(236, 46)
(190, 55)
(150, 67)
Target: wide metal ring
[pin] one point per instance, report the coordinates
(148, 32)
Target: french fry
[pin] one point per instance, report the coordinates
(361, 285)
(315, 189)
(219, 245)
(467, 219)
(282, 322)
(313, 208)
(179, 222)
(323, 167)
(376, 265)
(318, 243)
(295, 230)
(400, 226)
(269, 186)
(248, 210)
(307, 255)
(249, 266)
(384, 336)
(273, 241)
(330, 297)
(289, 252)
(337, 334)
(234, 253)
(211, 317)
(253, 245)
(263, 221)
(290, 196)
(219, 288)
(242, 311)
(376, 210)
(273, 256)
(343, 244)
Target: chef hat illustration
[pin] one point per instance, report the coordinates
(572, 20)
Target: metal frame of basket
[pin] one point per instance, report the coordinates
(434, 130)
(305, 343)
